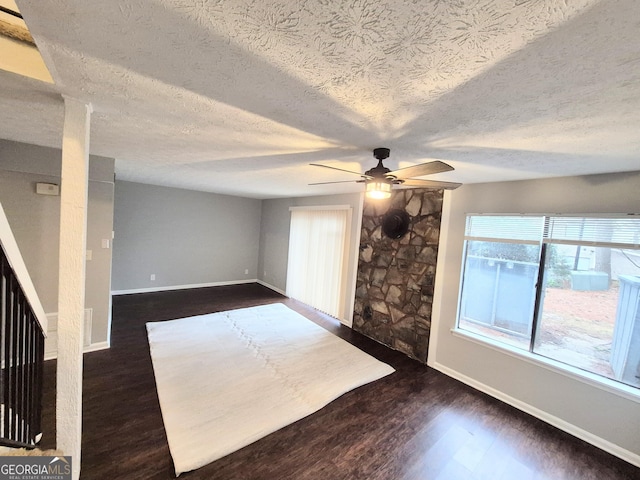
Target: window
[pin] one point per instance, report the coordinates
(586, 313)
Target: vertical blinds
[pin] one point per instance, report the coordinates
(619, 231)
(317, 243)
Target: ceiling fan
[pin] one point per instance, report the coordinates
(379, 179)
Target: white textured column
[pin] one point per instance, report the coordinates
(73, 240)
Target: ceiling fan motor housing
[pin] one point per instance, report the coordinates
(381, 153)
(379, 171)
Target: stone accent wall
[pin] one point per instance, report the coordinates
(394, 291)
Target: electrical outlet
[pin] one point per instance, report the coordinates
(246, 271)
(152, 277)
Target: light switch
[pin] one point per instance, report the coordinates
(105, 243)
(89, 255)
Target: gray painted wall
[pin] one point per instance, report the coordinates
(183, 237)
(274, 240)
(35, 221)
(611, 420)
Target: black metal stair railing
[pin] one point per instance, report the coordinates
(22, 358)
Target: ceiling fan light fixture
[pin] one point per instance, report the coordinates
(378, 189)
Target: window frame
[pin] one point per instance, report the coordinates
(529, 355)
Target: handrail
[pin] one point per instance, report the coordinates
(16, 262)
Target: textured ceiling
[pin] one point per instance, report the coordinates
(239, 96)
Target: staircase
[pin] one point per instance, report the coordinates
(22, 327)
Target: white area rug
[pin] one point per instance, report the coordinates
(228, 379)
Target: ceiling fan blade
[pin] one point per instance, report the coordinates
(339, 169)
(423, 169)
(416, 182)
(342, 181)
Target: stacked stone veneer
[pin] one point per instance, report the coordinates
(394, 291)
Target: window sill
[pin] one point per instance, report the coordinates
(597, 381)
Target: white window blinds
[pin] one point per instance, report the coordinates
(500, 228)
(617, 232)
(620, 232)
(317, 245)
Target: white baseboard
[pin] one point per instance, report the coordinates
(271, 287)
(578, 432)
(94, 347)
(181, 287)
(51, 340)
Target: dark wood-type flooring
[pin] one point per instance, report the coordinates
(414, 424)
